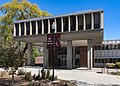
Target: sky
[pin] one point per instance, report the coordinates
(111, 11)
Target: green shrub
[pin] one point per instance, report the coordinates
(118, 73)
(21, 72)
(117, 65)
(27, 76)
(110, 65)
(51, 76)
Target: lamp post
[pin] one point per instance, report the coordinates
(53, 47)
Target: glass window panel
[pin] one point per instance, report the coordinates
(88, 21)
(96, 17)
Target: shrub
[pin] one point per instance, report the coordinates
(50, 78)
(117, 65)
(21, 72)
(110, 65)
(118, 73)
(27, 76)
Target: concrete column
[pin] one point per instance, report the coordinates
(14, 30)
(76, 23)
(55, 25)
(68, 23)
(36, 27)
(89, 54)
(73, 56)
(30, 59)
(42, 27)
(45, 56)
(61, 24)
(30, 28)
(69, 54)
(25, 30)
(19, 29)
(101, 20)
(84, 22)
(92, 21)
(48, 25)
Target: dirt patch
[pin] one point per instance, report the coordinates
(19, 81)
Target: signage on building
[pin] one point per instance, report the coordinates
(57, 40)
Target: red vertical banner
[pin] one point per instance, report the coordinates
(49, 40)
(57, 40)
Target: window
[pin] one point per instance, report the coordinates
(73, 23)
(39, 27)
(22, 28)
(17, 29)
(63, 51)
(80, 22)
(33, 27)
(65, 24)
(28, 28)
(99, 60)
(45, 26)
(88, 21)
(77, 50)
(77, 61)
(58, 21)
(59, 62)
(96, 17)
(96, 61)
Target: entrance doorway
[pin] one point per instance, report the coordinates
(63, 62)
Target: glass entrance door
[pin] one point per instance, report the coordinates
(63, 62)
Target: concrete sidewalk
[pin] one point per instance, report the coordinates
(87, 76)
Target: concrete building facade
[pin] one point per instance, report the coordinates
(80, 31)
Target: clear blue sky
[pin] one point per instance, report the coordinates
(111, 11)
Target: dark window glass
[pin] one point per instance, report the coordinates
(65, 24)
(103, 60)
(80, 22)
(95, 60)
(33, 27)
(96, 17)
(58, 21)
(45, 26)
(28, 28)
(118, 46)
(114, 60)
(77, 61)
(59, 62)
(73, 23)
(88, 21)
(63, 51)
(51, 22)
(118, 59)
(39, 27)
(17, 29)
(77, 50)
(99, 60)
(22, 28)
(110, 60)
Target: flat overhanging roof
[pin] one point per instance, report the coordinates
(51, 17)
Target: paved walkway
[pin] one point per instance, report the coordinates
(83, 75)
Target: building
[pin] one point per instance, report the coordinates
(80, 31)
(107, 52)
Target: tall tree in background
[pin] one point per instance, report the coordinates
(12, 11)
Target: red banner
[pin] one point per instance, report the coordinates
(57, 40)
